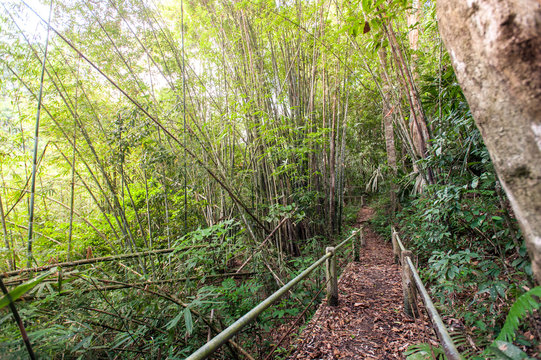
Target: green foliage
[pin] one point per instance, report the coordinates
(454, 267)
(502, 350)
(24, 288)
(525, 304)
(271, 88)
(231, 299)
(424, 351)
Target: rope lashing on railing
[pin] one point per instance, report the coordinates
(206, 350)
(411, 282)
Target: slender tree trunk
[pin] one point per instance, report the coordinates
(332, 166)
(72, 185)
(11, 256)
(36, 142)
(387, 114)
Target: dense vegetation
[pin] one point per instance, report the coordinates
(193, 131)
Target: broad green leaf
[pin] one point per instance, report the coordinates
(507, 351)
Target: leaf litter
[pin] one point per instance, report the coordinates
(369, 322)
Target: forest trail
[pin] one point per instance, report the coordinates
(368, 322)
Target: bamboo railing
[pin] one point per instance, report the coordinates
(332, 295)
(412, 285)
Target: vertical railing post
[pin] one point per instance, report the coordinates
(408, 287)
(356, 242)
(396, 248)
(332, 278)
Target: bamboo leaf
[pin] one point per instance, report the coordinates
(24, 288)
(188, 320)
(175, 321)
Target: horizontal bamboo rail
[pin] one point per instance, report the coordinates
(210, 347)
(411, 282)
(97, 260)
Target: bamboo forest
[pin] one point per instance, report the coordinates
(270, 179)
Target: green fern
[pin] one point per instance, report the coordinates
(524, 304)
(424, 351)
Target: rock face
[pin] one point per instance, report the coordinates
(495, 47)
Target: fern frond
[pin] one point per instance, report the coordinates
(424, 351)
(522, 306)
(461, 341)
(459, 338)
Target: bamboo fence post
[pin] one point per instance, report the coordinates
(396, 249)
(356, 243)
(408, 287)
(332, 279)
(361, 238)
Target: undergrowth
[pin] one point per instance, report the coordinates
(165, 306)
(461, 228)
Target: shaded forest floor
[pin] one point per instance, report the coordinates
(368, 322)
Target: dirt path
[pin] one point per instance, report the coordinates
(368, 323)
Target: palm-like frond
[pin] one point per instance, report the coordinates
(524, 305)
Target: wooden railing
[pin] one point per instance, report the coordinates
(332, 295)
(413, 286)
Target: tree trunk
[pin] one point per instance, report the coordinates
(418, 127)
(495, 47)
(388, 127)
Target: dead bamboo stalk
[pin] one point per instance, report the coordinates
(131, 319)
(19, 322)
(123, 285)
(96, 260)
(263, 243)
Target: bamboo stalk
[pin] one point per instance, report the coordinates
(262, 243)
(97, 260)
(74, 147)
(11, 256)
(36, 232)
(19, 321)
(36, 143)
